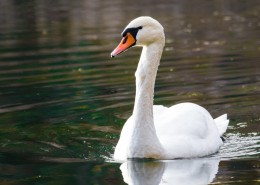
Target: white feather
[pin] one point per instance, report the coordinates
(222, 124)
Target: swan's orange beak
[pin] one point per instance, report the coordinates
(125, 43)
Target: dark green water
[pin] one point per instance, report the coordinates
(63, 100)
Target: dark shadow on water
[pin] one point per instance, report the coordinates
(21, 169)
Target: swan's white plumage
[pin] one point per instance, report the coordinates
(222, 124)
(184, 130)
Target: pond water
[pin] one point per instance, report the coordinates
(63, 100)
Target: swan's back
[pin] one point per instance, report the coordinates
(186, 130)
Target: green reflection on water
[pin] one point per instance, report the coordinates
(62, 99)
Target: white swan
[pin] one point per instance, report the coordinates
(184, 130)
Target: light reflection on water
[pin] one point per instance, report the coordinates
(197, 171)
(62, 99)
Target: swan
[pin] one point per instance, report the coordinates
(185, 130)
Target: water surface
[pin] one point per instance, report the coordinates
(63, 101)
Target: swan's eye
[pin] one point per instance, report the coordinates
(133, 31)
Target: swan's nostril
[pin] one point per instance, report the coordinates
(125, 39)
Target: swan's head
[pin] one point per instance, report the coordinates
(141, 31)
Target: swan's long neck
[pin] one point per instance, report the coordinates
(144, 141)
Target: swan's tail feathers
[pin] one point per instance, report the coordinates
(222, 124)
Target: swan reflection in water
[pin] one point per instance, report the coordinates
(184, 172)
